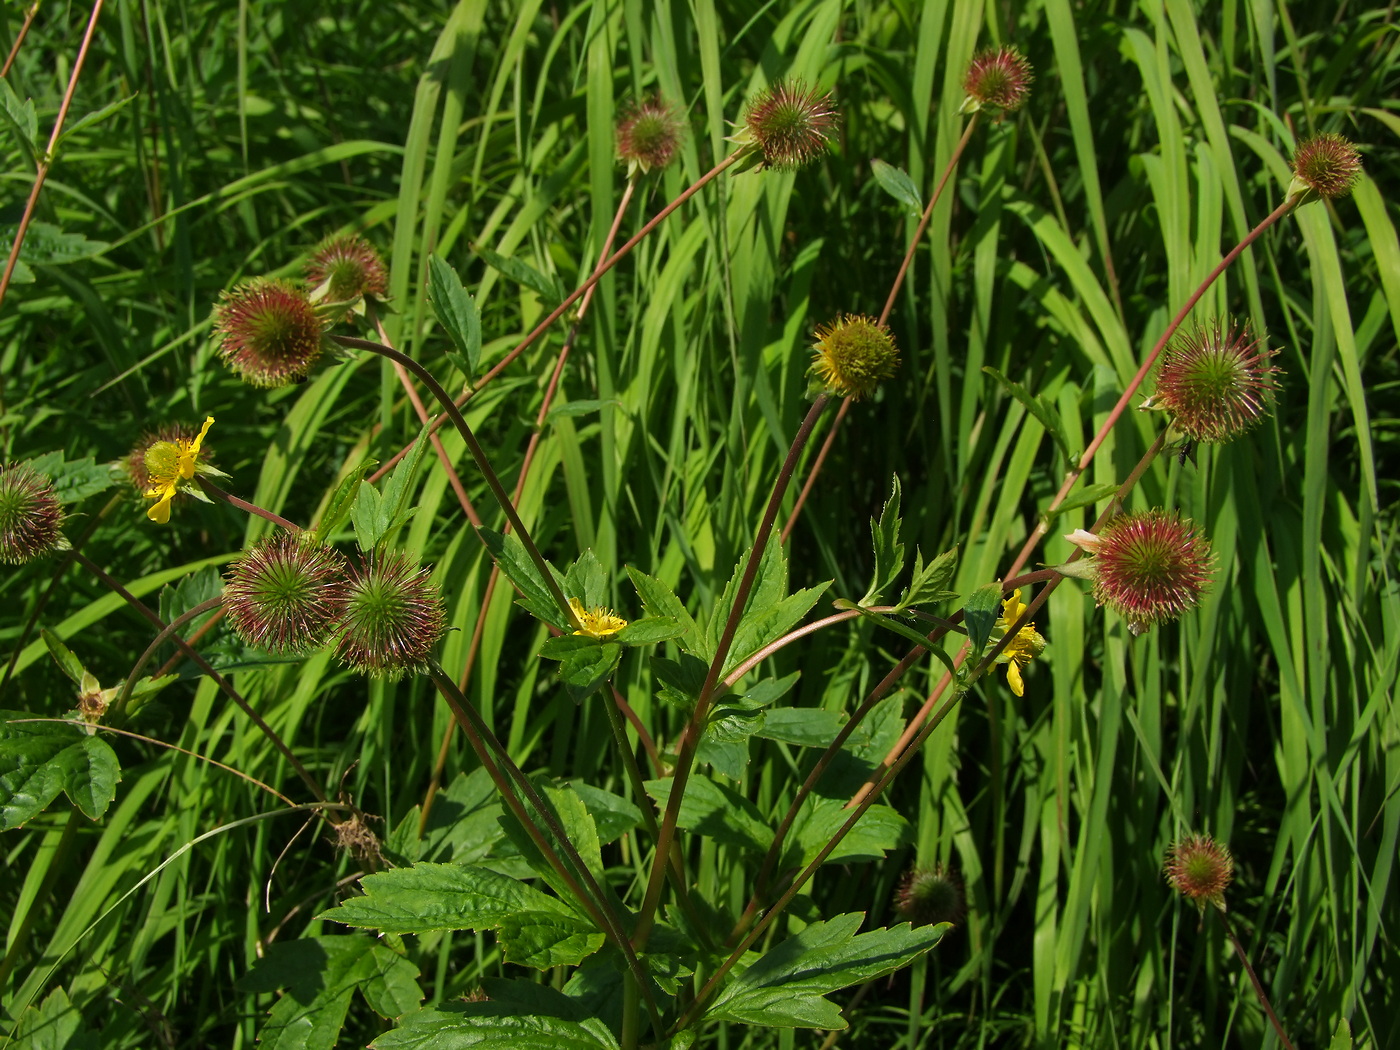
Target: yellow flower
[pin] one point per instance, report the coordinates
(596, 622)
(1022, 649)
(168, 463)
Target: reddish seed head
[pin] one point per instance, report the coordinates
(648, 136)
(790, 124)
(1151, 566)
(350, 264)
(852, 355)
(30, 514)
(393, 616)
(1217, 384)
(998, 78)
(931, 895)
(1327, 165)
(1200, 869)
(286, 593)
(269, 332)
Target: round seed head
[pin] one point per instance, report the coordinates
(167, 433)
(648, 136)
(1200, 869)
(790, 124)
(931, 895)
(30, 514)
(1151, 566)
(1217, 383)
(1325, 166)
(852, 354)
(286, 593)
(269, 332)
(392, 618)
(351, 266)
(998, 78)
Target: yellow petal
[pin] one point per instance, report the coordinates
(160, 512)
(1013, 678)
(191, 454)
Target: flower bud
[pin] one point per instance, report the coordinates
(852, 354)
(1200, 869)
(1216, 384)
(30, 515)
(392, 617)
(348, 266)
(286, 593)
(1151, 566)
(931, 895)
(269, 332)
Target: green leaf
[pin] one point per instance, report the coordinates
(929, 583)
(786, 987)
(681, 680)
(649, 630)
(581, 408)
(879, 830)
(56, 1024)
(494, 1026)
(1089, 494)
(727, 757)
(980, 614)
(898, 185)
(549, 289)
(613, 816)
(520, 569)
(429, 897)
(370, 517)
(584, 670)
(1341, 1037)
(889, 552)
(659, 600)
(22, 121)
(73, 480)
(906, 632)
(48, 245)
(457, 313)
(586, 581)
(38, 760)
(548, 938)
(195, 589)
(802, 727)
(717, 812)
(63, 656)
(1040, 407)
(340, 505)
(96, 116)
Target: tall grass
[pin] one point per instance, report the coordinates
(1157, 135)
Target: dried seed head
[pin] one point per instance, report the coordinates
(1200, 869)
(852, 354)
(30, 515)
(269, 332)
(789, 124)
(998, 78)
(392, 618)
(286, 593)
(1151, 566)
(1324, 166)
(931, 895)
(357, 838)
(1217, 384)
(648, 136)
(349, 267)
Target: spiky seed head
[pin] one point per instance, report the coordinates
(349, 266)
(392, 618)
(789, 124)
(166, 434)
(286, 593)
(1200, 869)
(30, 515)
(1217, 383)
(1151, 566)
(269, 332)
(931, 895)
(998, 78)
(852, 355)
(1324, 166)
(648, 135)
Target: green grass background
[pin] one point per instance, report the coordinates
(1157, 134)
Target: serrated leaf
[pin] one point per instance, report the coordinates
(906, 632)
(195, 589)
(370, 517)
(879, 830)
(456, 311)
(929, 582)
(786, 987)
(980, 614)
(889, 552)
(802, 727)
(660, 601)
(494, 1026)
(550, 291)
(542, 939)
(716, 811)
(20, 117)
(613, 816)
(518, 567)
(649, 630)
(73, 480)
(581, 408)
(727, 757)
(63, 656)
(586, 581)
(40, 760)
(1039, 407)
(898, 185)
(48, 245)
(429, 897)
(584, 670)
(398, 490)
(55, 1024)
(338, 509)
